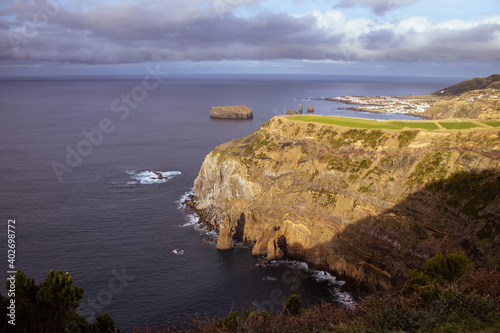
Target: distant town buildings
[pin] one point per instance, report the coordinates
(386, 103)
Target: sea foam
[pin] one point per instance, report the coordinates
(150, 177)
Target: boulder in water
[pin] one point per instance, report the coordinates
(231, 112)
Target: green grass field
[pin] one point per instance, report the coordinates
(428, 125)
(366, 123)
(458, 125)
(492, 123)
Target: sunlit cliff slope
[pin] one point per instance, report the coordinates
(367, 204)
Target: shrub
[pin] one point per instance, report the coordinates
(405, 137)
(230, 322)
(449, 267)
(417, 278)
(293, 306)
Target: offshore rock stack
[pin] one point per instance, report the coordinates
(231, 112)
(310, 108)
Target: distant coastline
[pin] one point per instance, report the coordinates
(412, 105)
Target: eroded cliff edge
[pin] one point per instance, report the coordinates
(365, 204)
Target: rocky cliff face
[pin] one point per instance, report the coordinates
(365, 204)
(483, 105)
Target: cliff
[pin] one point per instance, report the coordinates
(490, 82)
(231, 112)
(367, 204)
(483, 105)
(475, 99)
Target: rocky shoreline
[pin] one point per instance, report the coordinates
(210, 219)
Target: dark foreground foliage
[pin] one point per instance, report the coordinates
(448, 296)
(48, 307)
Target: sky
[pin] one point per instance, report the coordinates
(374, 37)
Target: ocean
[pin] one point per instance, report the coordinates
(78, 157)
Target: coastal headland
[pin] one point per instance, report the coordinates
(365, 199)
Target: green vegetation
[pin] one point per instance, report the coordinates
(369, 138)
(260, 141)
(249, 321)
(364, 189)
(310, 128)
(492, 123)
(431, 168)
(458, 125)
(344, 164)
(330, 198)
(366, 123)
(293, 306)
(49, 307)
(469, 192)
(427, 125)
(449, 266)
(405, 137)
(375, 171)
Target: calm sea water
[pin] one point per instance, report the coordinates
(113, 227)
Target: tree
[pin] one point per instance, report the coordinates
(57, 300)
(104, 324)
(49, 307)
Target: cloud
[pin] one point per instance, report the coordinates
(199, 30)
(379, 7)
(417, 39)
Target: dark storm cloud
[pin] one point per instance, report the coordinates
(175, 30)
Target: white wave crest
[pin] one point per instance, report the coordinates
(346, 299)
(178, 252)
(192, 220)
(150, 177)
(181, 203)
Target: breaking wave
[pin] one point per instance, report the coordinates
(191, 219)
(150, 177)
(318, 276)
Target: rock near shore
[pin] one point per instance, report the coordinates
(231, 112)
